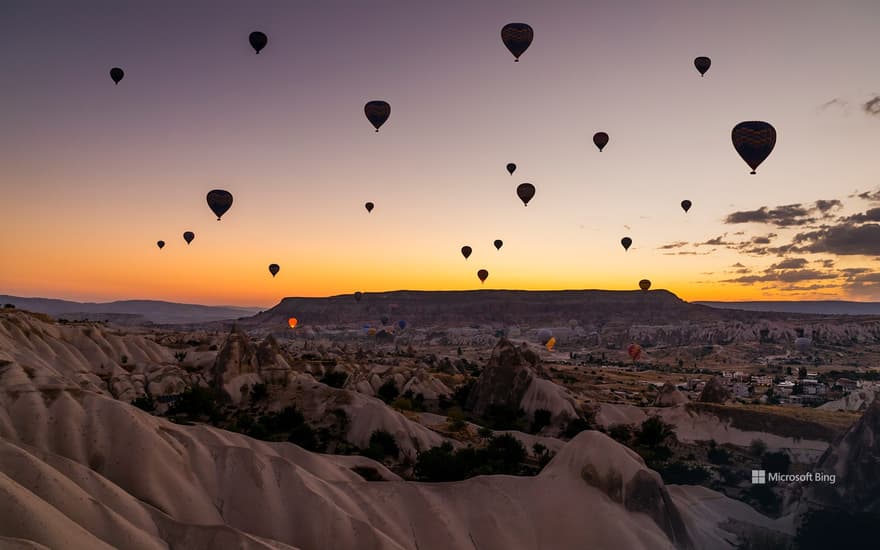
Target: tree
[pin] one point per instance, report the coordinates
(758, 447)
(382, 444)
(776, 462)
(654, 432)
(388, 392)
(542, 419)
(259, 392)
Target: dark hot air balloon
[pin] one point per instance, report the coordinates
(258, 40)
(220, 202)
(369, 206)
(498, 244)
(466, 252)
(754, 141)
(358, 296)
(644, 284)
(525, 192)
(377, 112)
(160, 244)
(702, 64)
(517, 37)
(600, 139)
(685, 205)
(511, 168)
(189, 236)
(116, 74)
(482, 275)
(626, 242)
(401, 324)
(384, 320)
(274, 269)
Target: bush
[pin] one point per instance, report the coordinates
(766, 500)
(145, 403)
(259, 392)
(575, 426)
(654, 432)
(503, 455)
(388, 392)
(822, 529)
(718, 455)
(542, 418)
(382, 444)
(757, 447)
(180, 356)
(622, 433)
(505, 417)
(402, 404)
(681, 473)
(335, 379)
(776, 462)
(368, 473)
(196, 402)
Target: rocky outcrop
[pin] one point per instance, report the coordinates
(505, 379)
(669, 396)
(715, 392)
(237, 357)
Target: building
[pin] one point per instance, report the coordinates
(847, 384)
(785, 388)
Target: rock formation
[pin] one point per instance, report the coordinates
(714, 392)
(669, 396)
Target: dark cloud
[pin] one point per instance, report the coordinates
(824, 206)
(844, 239)
(834, 102)
(760, 240)
(717, 241)
(872, 106)
(790, 276)
(737, 264)
(743, 271)
(826, 263)
(872, 215)
(670, 246)
(790, 263)
(688, 253)
(851, 272)
(782, 216)
(872, 196)
(740, 233)
(798, 288)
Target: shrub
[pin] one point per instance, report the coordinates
(681, 473)
(758, 447)
(776, 462)
(180, 356)
(622, 433)
(145, 403)
(542, 418)
(259, 392)
(767, 501)
(575, 426)
(654, 432)
(368, 473)
(335, 379)
(827, 528)
(195, 402)
(718, 455)
(388, 392)
(382, 444)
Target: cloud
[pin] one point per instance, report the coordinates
(791, 263)
(872, 215)
(872, 196)
(717, 241)
(872, 106)
(790, 276)
(737, 264)
(826, 263)
(782, 216)
(844, 239)
(826, 205)
(670, 246)
(688, 253)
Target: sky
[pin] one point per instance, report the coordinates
(92, 174)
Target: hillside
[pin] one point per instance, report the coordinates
(820, 307)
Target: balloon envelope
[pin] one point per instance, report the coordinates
(116, 74)
(189, 236)
(160, 244)
(369, 206)
(358, 296)
(634, 351)
(482, 275)
(600, 140)
(550, 343)
(517, 37)
(685, 205)
(525, 192)
(401, 324)
(544, 335)
(258, 40)
(498, 244)
(220, 202)
(377, 112)
(626, 242)
(702, 64)
(511, 168)
(644, 284)
(292, 322)
(754, 141)
(466, 252)
(274, 269)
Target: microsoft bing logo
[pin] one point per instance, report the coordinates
(759, 477)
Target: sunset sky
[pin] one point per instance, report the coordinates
(93, 174)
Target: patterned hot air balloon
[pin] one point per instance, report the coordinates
(644, 284)
(525, 192)
(377, 112)
(482, 275)
(754, 141)
(274, 269)
(626, 242)
(219, 201)
(258, 40)
(702, 64)
(600, 140)
(685, 205)
(116, 74)
(517, 37)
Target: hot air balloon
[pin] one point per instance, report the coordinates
(369, 206)
(626, 242)
(466, 252)
(358, 296)
(384, 320)
(644, 284)
(634, 351)
(600, 139)
(550, 343)
(498, 244)
(219, 201)
(754, 141)
(482, 275)
(116, 74)
(401, 324)
(292, 322)
(371, 331)
(685, 205)
(160, 244)
(702, 64)
(525, 192)
(511, 168)
(258, 40)
(544, 336)
(274, 269)
(377, 112)
(517, 37)
(189, 236)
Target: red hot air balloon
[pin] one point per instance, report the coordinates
(634, 351)
(754, 141)
(600, 140)
(482, 275)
